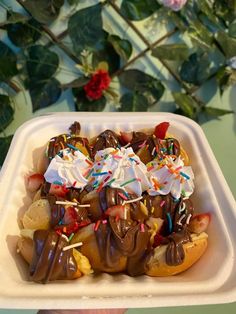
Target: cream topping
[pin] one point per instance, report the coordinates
(69, 168)
(170, 176)
(120, 168)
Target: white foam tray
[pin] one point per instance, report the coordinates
(211, 280)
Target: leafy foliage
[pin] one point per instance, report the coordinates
(136, 10)
(8, 67)
(84, 104)
(133, 102)
(6, 112)
(137, 81)
(43, 11)
(122, 47)
(23, 33)
(4, 146)
(85, 29)
(176, 52)
(196, 69)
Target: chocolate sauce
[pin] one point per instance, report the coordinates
(106, 139)
(75, 128)
(49, 261)
(57, 210)
(175, 252)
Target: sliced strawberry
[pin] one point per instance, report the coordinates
(199, 223)
(117, 211)
(126, 137)
(58, 190)
(161, 129)
(34, 182)
(70, 215)
(158, 240)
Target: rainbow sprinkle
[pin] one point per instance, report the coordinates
(99, 174)
(129, 181)
(169, 222)
(184, 175)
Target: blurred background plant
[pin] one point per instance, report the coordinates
(101, 64)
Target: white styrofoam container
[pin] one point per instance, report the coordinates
(211, 280)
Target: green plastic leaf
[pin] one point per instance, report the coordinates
(137, 10)
(4, 146)
(85, 29)
(42, 63)
(196, 69)
(82, 103)
(227, 44)
(109, 55)
(137, 80)
(15, 17)
(216, 112)
(7, 63)
(232, 30)
(176, 52)
(44, 93)
(133, 102)
(73, 2)
(24, 33)
(225, 9)
(122, 47)
(223, 79)
(187, 105)
(43, 11)
(199, 34)
(6, 112)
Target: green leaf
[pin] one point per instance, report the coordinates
(232, 30)
(43, 11)
(137, 10)
(136, 80)
(227, 44)
(108, 55)
(187, 105)
(44, 93)
(225, 9)
(85, 29)
(122, 47)
(7, 63)
(42, 63)
(82, 103)
(4, 146)
(199, 34)
(15, 17)
(73, 2)
(196, 69)
(6, 112)
(176, 52)
(216, 112)
(223, 79)
(24, 33)
(133, 102)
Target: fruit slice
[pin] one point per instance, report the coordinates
(58, 190)
(117, 211)
(199, 223)
(161, 129)
(126, 137)
(34, 182)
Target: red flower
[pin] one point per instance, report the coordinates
(97, 84)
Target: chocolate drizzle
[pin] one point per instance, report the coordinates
(57, 210)
(123, 238)
(49, 261)
(175, 252)
(106, 139)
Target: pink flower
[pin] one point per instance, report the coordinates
(175, 5)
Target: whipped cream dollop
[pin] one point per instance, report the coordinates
(119, 168)
(170, 176)
(70, 169)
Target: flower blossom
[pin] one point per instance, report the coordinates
(99, 82)
(175, 5)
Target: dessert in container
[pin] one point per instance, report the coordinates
(211, 280)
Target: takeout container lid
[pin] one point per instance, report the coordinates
(211, 280)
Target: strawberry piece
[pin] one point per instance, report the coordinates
(58, 190)
(34, 182)
(161, 129)
(199, 223)
(70, 215)
(126, 137)
(158, 240)
(116, 211)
